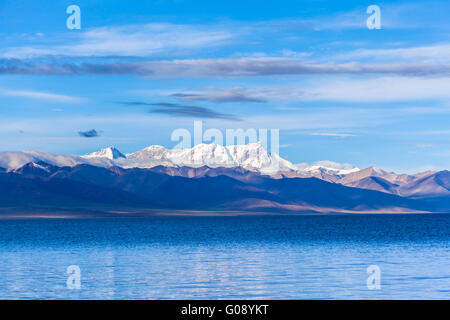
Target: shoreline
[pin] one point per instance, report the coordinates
(103, 213)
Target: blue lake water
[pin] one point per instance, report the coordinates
(265, 257)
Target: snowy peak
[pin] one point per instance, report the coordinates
(110, 153)
(212, 155)
(326, 167)
(40, 169)
(253, 157)
(17, 159)
(40, 166)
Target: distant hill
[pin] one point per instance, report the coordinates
(42, 184)
(425, 184)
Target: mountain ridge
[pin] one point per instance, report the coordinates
(253, 157)
(43, 185)
(244, 160)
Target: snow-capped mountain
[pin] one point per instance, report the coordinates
(253, 157)
(328, 167)
(17, 159)
(110, 153)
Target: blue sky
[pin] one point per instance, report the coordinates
(137, 70)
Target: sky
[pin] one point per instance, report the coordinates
(137, 70)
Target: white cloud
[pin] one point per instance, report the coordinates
(380, 89)
(341, 89)
(438, 53)
(148, 39)
(42, 96)
(331, 134)
(130, 40)
(327, 164)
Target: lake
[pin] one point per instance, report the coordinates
(240, 257)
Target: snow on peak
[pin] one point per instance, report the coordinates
(39, 166)
(253, 157)
(110, 153)
(328, 167)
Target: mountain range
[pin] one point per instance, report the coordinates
(253, 157)
(210, 177)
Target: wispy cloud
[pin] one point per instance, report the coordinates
(191, 111)
(182, 110)
(219, 95)
(129, 40)
(437, 53)
(229, 67)
(145, 40)
(330, 134)
(136, 103)
(174, 108)
(328, 164)
(380, 89)
(41, 96)
(430, 132)
(342, 89)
